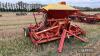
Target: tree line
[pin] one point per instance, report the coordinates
(19, 7)
(17, 10)
(25, 7)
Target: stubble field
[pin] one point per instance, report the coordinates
(13, 42)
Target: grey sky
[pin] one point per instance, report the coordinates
(83, 3)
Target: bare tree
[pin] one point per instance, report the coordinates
(6, 6)
(20, 6)
(11, 7)
(0, 6)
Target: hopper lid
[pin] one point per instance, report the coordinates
(59, 6)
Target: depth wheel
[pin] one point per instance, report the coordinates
(26, 31)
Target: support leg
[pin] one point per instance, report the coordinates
(62, 41)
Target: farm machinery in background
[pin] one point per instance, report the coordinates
(0, 15)
(55, 25)
(21, 14)
(81, 17)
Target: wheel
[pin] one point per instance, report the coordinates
(26, 31)
(93, 21)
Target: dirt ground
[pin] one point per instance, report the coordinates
(13, 42)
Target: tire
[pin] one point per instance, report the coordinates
(93, 21)
(26, 31)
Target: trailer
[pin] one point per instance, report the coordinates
(81, 17)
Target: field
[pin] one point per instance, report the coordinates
(13, 42)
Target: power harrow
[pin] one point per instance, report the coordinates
(55, 26)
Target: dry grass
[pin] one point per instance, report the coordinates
(13, 42)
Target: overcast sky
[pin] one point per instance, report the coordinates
(81, 3)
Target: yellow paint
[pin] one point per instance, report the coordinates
(58, 7)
